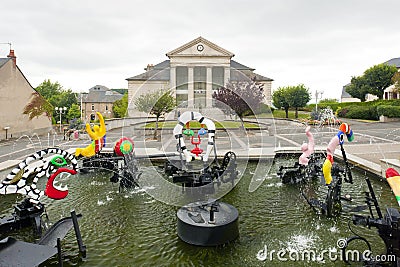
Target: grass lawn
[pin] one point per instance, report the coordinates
(196, 125)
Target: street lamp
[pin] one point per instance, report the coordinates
(61, 110)
(317, 96)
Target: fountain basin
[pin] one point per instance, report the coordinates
(199, 225)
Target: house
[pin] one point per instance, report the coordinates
(16, 92)
(346, 97)
(391, 92)
(193, 72)
(388, 93)
(99, 99)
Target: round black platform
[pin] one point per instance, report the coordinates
(195, 227)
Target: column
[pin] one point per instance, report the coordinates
(227, 75)
(190, 87)
(172, 78)
(209, 88)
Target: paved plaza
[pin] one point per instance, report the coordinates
(374, 142)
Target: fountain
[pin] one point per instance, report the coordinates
(210, 222)
(23, 180)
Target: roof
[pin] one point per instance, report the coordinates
(394, 61)
(160, 72)
(101, 94)
(238, 66)
(3, 61)
(344, 93)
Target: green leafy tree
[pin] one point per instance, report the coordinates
(120, 106)
(158, 104)
(374, 81)
(358, 88)
(279, 100)
(37, 106)
(74, 112)
(57, 96)
(48, 89)
(379, 77)
(297, 97)
(243, 97)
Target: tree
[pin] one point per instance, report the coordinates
(279, 100)
(158, 104)
(243, 97)
(374, 81)
(56, 95)
(291, 97)
(120, 106)
(37, 106)
(74, 112)
(379, 77)
(358, 88)
(297, 97)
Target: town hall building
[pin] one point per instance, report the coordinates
(193, 72)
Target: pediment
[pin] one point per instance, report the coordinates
(200, 47)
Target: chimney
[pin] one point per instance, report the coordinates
(149, 67)
(13, 57)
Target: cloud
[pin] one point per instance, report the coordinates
(83, 43)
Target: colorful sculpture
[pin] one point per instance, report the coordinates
(307, 148)
(338, 139)
(184, 119)
(124, 146)
(35, 167)
(97, 135)
(393, 178)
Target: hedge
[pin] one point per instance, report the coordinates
(335, 106)
(389, 111)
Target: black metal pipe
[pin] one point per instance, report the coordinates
(82, 248)
(348, 172)
(59, 253)
(373, 197)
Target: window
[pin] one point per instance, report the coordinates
(106, 107)
(181, 100)
(92, 107)
(217, 77)
(92, 117)
(181, 78)
(200, 78)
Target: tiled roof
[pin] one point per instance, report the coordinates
(344, 93)
(159, 72)
(101, 94)
(394, 61)
(238, 66)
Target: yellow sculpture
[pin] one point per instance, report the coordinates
(97, 135)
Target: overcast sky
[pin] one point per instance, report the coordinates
(321, 44)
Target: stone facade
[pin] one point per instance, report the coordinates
(16, 92)
(193, 72)
(99, 99)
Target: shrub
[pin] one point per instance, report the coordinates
(389, 111)
(362, 112)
